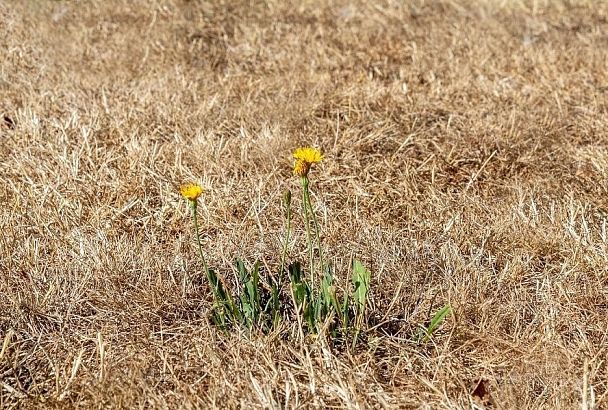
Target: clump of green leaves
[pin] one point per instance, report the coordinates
(325, 309)
(250, 307)
(261, 302)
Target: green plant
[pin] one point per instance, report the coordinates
(425, 333)
(304, 159)
(260, 301)
(361, 278)
(224, 310)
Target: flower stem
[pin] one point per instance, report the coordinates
(315, 223)
(220, 297)
(317, 234)
(198, 238)
(304, 181)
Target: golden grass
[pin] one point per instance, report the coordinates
(466, 162)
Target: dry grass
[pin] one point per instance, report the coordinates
(467, 162)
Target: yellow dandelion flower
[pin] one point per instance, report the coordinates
(191, 191)
(305, 157)
(308, 154)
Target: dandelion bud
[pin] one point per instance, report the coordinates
(287, 198)
(301, 168)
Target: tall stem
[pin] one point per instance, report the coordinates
(317, 231)
(304, 181)
(200, 248)
(198, 238)
(219, 294)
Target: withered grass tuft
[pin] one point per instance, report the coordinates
(469, 166)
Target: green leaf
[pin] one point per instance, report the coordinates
(325, 296)
(436, 321)
(361, 278)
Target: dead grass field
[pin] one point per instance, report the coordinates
(467, 162)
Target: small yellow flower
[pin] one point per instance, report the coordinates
(305, 157)
(191, 191)
(308, 154)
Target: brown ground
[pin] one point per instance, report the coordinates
(467, 162)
